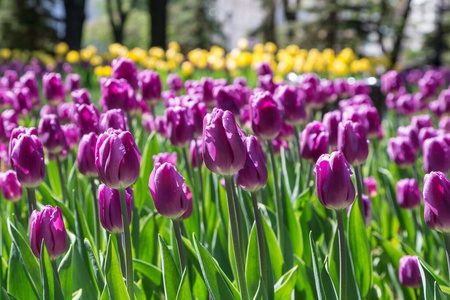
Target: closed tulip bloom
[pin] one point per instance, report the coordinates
(401, 151)
(117, 159)
(188, 212)
(124, 68)
(66, 112)
(359, 88)
(341, 87)
(371, 115)
(334, 185)
(422, 121)
(73, 82)
(81, 96)
(353, 143)
(444, 124)
(253, 176)
(86, 155)
(263, 68)
(265, 116)
(180, 128)
(292, 102)
(11, 186)
(266, 84)
(193, 153)
(87, 118)
(29, 80)
(223, 150)
(161, 125)
(436, 155)
(53, 88)
(22, 104)
(151, 86)
(371, 186)
(109, 207)
(196, 111)
(426, 133)
(48, 226)
(409, 272)
(227, 98)
(10, 122)
(436, 195)
(47, 109)
(51, 134)
(313, 141)
(116, 94)
(331, 122)
(286, 132)
(391, 82)
(367, 210)
(72, 134)
(174, 82)
(410, 133)
(408, 193)
(166, 187)
(164, 157)
(206, 85)
(354, 114)
(113, 118)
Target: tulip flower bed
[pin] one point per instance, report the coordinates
(212, 189)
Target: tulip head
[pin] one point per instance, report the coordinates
(331, 122)
(73, 82)
(86, 155)
(180, 128)
(292, 103)
(352, 141)
(72, 134)
(151, 86)
(193, 149)
(401, 151)
(81, 96)
(265, 116)
(164, 157)
(409, 272)
(436, 155)
(53, 88)
(408, 193)
(174, 82)
(124, 68)
(313, 141)
(110, 210)
(436, 195)
(51, 134)
(11, 186)
(87, 118)
(113, 118)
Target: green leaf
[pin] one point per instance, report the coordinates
(327, 283)
(184, 292)
(430, 288)
(276, 257)
(317, 279)
(50, 282)
(218, 286)
(95, 265)
(170, 272)
(150, 271)
(114, 279)
(252, 272)
(151, 147)
(286, 284)
(49, 198)
(360, 249)
(53, 176)
(65, 271)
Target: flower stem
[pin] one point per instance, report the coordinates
(128, 254)
(261, 241)
(200, 186)
(17, 211)
(120, 250)
(308, 175)
(235, 240)
(342, 257)
(31, 199)
(62, 181)
(96, 215)
(447, 249)
(181, 255)
(359, 188)
(55, 270)
(278, 205)
(297, 145)
(194, 188)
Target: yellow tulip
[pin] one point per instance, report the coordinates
(114, 49)
(243, 44)
(270, 47)
(278, 79)
(218, 64)
(217, 51)
(156, 52)
(292, 50)
(98, 70)
(175, 46)
(347, 55)
(61, 48)
(73, 57)
(5, 53)
(96, 60)
(258, 48)
(150, 62)
(106, 71)
(161, 65)
(187, 68)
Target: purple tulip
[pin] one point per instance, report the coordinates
(109, 207)
(444, 124)
(10, 122)
(72, 134)
(227, 98)
(334, 186)
(421, 121)
(116, 94)
(240, 81)
(265, 116)
(436, 195)
(286, 132)
(436, 155)
(151, 86)
(196, 111)
(124, 68)
(188, 212)
(47, 109)
(409, 272)
(401, 151)
(428, 86)
(391, 82)
(161, 125)
(53, 88)
(367, 210)
(86, 155)
(331, 122)
(313, 141)
(11, 186)
(81, 96)
(174, 82)
(223, 149)
(51, 134)
(314, 96)
(193, 148)
(266, 84)
(292, 103)
(87, 118)
(166, 187)
(410, 133)
(427, 133)
(48, 226)
(164, 157)
(29, 80)
(253, 176)
(113, 118)
(371, 186)
(263, 68)
(66, 112)
(180, 128)
(73, 82)
(408, 193)
(23, 102)
(328, 90)
(370, 113)
(359, 88)
(353, 143)
(341, 87)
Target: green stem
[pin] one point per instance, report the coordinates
(260, 237)
(359, 188)
(235, 240)
(120, 250)
(447, 249)
(181, 255)
(128, 254)
(278, 205)
(62, 181)
(308, 174)
(297, 145)
(55, 270)
(96, 215)
(237, 208)
(416, 175)
(31, 199)
(200, 185)
(342, 257)
(188, 166)
(17, 211)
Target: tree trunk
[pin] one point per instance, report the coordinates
(158, 22)
(75, 17)
(291, 15)
(400, 34)
(439, 43)
(269, 32)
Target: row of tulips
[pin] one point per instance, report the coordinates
(239, 230)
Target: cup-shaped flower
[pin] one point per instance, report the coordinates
(22, 104)
(124, 68)
(174, 82)
(116, 94)
(409, 272)
(151, 86)
(188, 212)
(331, 122)
(81, 96)
(253, 176)
(48, 226)
(196, 111)
(180, 128)
(286, 132)
(113, 118)
(166, 187)
(334, 185)
(352, 141)
(66, 112)
(421, 121)
(109, 207)
(72, 134)
(73, 82)
(86, 155)
(391, 82)
(223, 149)
(410, 133)
(436, 195)
(117, 159)
(401, 151)
(53, 88)
(436, 155)
(370, 113)
(371, 186)
(265, 116)
(51, 134)
(29, 80)
(313, 141)
(408, 193)
(87, 118)
(164, 157)
(11, 186)
(227, 98)
(292, 102)
(427, 133)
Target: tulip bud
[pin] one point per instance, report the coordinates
(117, 159)
(444, 124)
(422, 121)
(151, 86)
(81, 96)
(391, 82)
(87, 118)
(10, 122)
(66, 112)
(331, 122)
(371, 186)
(124, 68)
(164, 157)
(113, 118)
(196, 111)
(51, 134)
(265, 116)
(341, 87)
(53, 88)
(22, 104)
(370, 113)
(48, 225)
(359, 88)
(334, 186)
(409, 272)
(161, 125)
(263, 68)
(180, 128)
(292, 103)
(436, 195)
(253, 176)
(188, 212)
(286, 132)
(72, 134)
(110, 210)
(47, 109)
(227, 98)
(401, 151)
(193, 148)
(116, 94)
(436, 155)
(166, 186)
(174, 82)
(73, 82)
(11, 187)
(408, 193)
(29, 80)
(86, 155)
(223, 149)
(426, 133)
(410, 133)
(353, 143)
(313, 141)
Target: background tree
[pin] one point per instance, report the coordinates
(75, 16)
(118, 13)
(158, 22)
